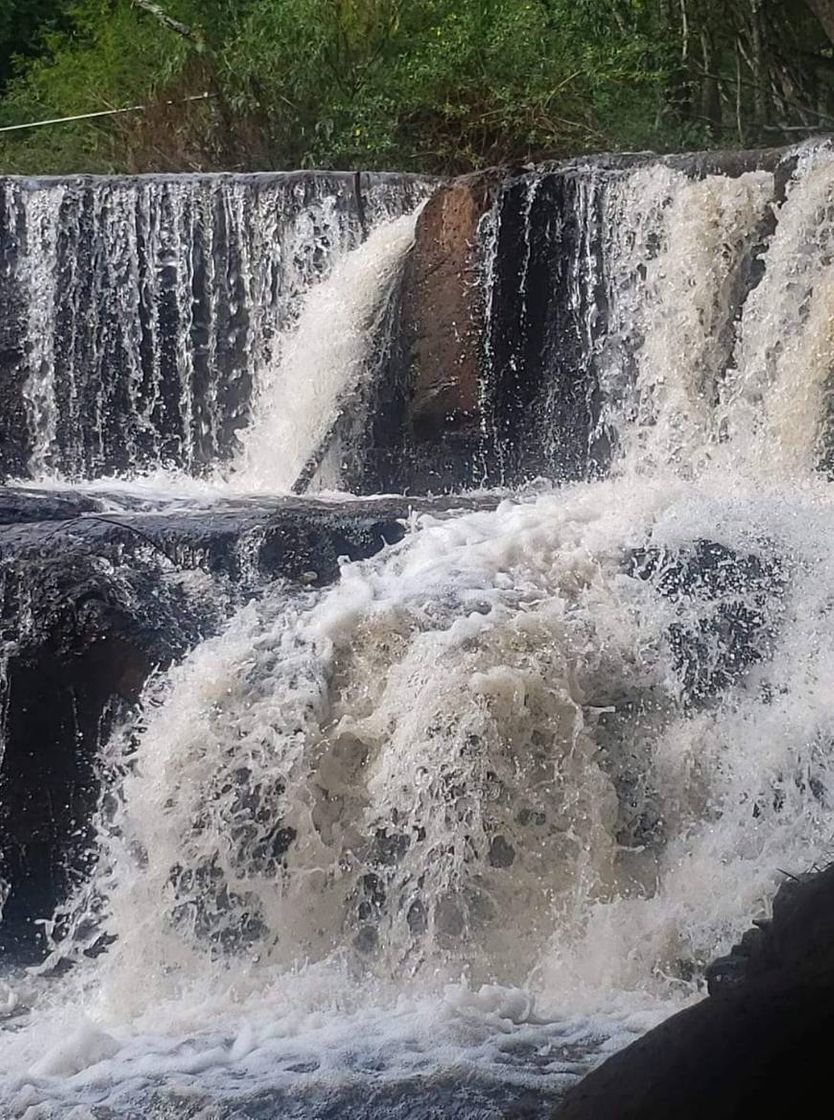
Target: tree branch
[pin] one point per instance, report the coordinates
(168, 21)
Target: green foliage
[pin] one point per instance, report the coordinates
(22, 25)
(437, 85)
(442, 83)
(109, 58)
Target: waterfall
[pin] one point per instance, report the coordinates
(642, 317)
(492, 801)
(320, 363)
(142, 312)
(775, 405)
(680, 255)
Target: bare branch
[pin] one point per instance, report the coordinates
(168, 21)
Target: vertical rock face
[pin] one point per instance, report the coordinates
(14, 435)
(443, 310)
(547, 304)
(419, 427)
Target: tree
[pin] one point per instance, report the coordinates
(433, 85)
(22, 24)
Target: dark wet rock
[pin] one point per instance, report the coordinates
(27, 506)
(81, 636)
(731, 971)
(539, 397)
(14, 427)
(799, 939)
(90, 605)
(759, 1045)
(728, 603)
(246, 540)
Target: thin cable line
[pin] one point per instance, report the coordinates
(101, 113)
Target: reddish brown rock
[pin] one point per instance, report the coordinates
(442, 306)
(415, 426)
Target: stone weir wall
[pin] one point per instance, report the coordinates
(491, 369)
(137, 312)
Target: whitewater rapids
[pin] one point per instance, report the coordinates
(483, 811)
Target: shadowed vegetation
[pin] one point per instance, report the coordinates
(434, 85)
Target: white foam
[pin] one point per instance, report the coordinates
(497, 674)
(463, 804)
(320, 362)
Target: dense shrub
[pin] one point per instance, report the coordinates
(439, 85)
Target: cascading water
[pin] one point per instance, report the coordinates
(484, 810)
(321, 362)
(140, 313)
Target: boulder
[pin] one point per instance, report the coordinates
(443, 308)
(759, 1045)
(420, 428)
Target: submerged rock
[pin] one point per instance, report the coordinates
(92, 602)
(726, 603)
